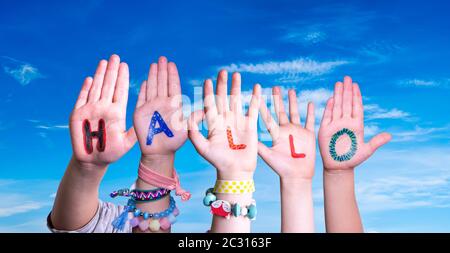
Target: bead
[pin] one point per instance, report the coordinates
(176, 212)
(208, 199)
(210, 190)
(164, 223)
(244, 211)
(154, 225)
(172, 219)
(146, 215)
(236, 210)
(143, 225)
(134, 222)
(251, 212)
(137, 212)
(156, 215)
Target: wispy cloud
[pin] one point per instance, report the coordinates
(425, 83)
(309, 36)
(300, 66)
(22, 72)
(421, 134)
(379, 51)
(374, 111)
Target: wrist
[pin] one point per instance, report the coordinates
(87, 168)
(162, 164)
(338, 172)
(235, 175)
(295, 186)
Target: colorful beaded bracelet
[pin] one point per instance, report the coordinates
(225, 209)
(141, 195)
(144, 220)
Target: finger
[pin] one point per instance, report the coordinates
(174, 80)
(199, 141)
(122, 86)
(152, 86)
(235, 98)
(84, 93)
(254, 103)
(293, 108)
(337, 107)
(109, 84)
(327, 113)
(310, 118)
(268, 120)
(210, 107)
(221, 92)
(279, 106)
(162, 77)
(265, 152)
(378, 141)
(358, 110)
(142, 94)
(130, 138)
(347, 97)
(97, 83)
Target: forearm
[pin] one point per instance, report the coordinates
(297, 212)
(76, 201)
(162, 164)
(341, 209)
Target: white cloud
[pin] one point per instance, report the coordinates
(374, 111)
(425, 83)
(48, 127)
(18, 208)
(306, 37)
(379, 51)
(23, 72)
(297, 66)
(371, 130)
(420, 134)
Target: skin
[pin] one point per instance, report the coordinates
(230, 164)
(160, 92)
(344, 110)
(297, 214)
(102, 97)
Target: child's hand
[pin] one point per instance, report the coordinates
(341, 134)
(97, 123)
(293, 150)
(232, 137)
(158, 119)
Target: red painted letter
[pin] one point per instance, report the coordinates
(293, 153)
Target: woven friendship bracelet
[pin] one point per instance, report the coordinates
(142, 195)
(234, 187)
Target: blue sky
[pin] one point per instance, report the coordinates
(396, 50)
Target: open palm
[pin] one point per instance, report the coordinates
(232, 141)
(103, 98)
(341, 134)
(160, 93)
(279, 157)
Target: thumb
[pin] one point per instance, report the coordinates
(379, 140)
(264, 152)
(199, 141)
(130, 138)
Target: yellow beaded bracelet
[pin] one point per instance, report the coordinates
(234, 187)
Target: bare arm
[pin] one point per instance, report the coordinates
(232, 142)
(76, 201)
(292, 157)
(342, 147)
(159, 99)
(341, 209)
(99, 137)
